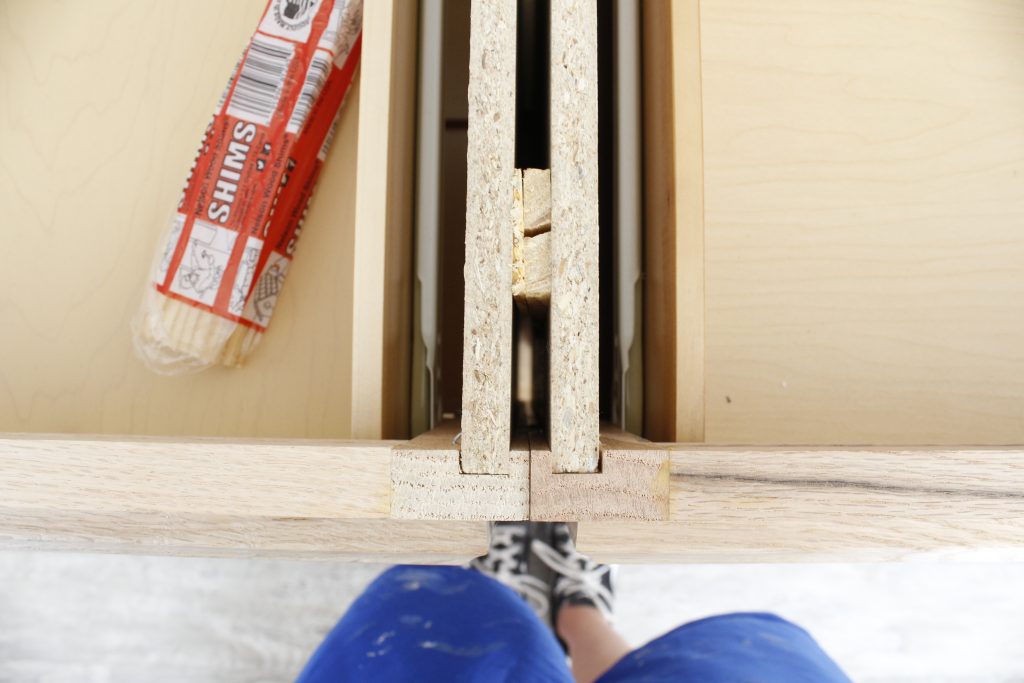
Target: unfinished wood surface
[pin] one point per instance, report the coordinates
(536, 201)
(574, 391)
(864, 188)
(733, 504)
(633, 483)
(383, 237)
(211, 497)
(531, 239)
(490, 222)
(673, 222)
(150, 533)
(427, 482)
(96, 139)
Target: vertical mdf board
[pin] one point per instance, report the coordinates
(383, 240)
(573, 352)
(96, 139)
(490, 180)
(864, 188)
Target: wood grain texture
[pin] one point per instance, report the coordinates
(573, 350)
(674, 271)
(427, 482)
(490, 221)
(735, 504)
(531, 239)
(536, 201)
(102, 106)
(212, 497)
(363, 540)
(864, 187)
(382, 305)
(633, 483)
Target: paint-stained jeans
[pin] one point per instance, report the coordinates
(454, 624)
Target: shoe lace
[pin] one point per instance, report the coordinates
(579, 576)
(503, 562)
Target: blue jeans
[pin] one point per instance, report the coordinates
(454, 624)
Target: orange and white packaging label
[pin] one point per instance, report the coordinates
(240, 214)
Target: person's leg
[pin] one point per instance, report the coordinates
(439, 624)
(581, 604)
(727, 648)
(594, 646)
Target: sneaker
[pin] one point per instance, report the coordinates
(578, 579)
(508, 561)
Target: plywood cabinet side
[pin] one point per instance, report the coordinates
(864, 187)
(382, 251)
(96, 139)
(674, 290)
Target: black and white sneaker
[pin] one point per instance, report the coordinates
(508, 561)
(578, 579)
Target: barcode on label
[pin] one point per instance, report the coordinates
(316, 76)
(227, 88)
(258, 90)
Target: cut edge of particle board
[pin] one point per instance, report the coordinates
(633, 483)
(674, 262)
(574, 384)
(490, 221)
(382, 244)
(745, 504)
(427, 481)
(214, 497)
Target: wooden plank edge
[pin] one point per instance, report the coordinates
(633, 483)
(427, 481)
(752, 504)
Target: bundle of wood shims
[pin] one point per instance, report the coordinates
(217, 277)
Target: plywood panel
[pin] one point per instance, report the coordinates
(673, 222)
(102, 105)
(864, 195)
(382, 270)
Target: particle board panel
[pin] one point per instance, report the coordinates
(102, 106)
(573, 350)
(806, 504)
(491, 181)
(863, 188)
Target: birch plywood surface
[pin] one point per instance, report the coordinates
(102, 105)
(864, 207)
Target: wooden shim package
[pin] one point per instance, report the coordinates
(216, 280)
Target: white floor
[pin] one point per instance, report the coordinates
(98, 619)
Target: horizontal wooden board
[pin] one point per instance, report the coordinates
(215, 497)
(736, 504)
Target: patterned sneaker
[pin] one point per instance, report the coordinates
(579, 580)
(507, 561)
